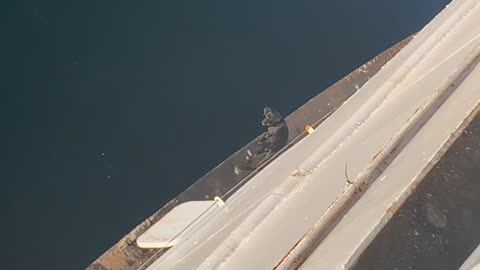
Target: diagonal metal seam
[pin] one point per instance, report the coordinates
(317, 233)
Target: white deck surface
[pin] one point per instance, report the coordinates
(263, 220)
(166, 232)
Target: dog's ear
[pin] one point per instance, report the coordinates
(266, 110)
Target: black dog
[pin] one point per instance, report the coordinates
(271, 141)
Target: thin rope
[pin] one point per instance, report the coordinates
(444, 60)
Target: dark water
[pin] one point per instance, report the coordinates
(111, 108)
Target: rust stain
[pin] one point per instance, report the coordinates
(397, 205)
(284, 258)
(376, 154)
(393, 208)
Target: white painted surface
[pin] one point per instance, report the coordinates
(166, 232)
(262, 221)
(473, 261)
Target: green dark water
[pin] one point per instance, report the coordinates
(112, 108)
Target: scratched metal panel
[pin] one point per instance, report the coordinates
(125, 254)
(439, 225)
